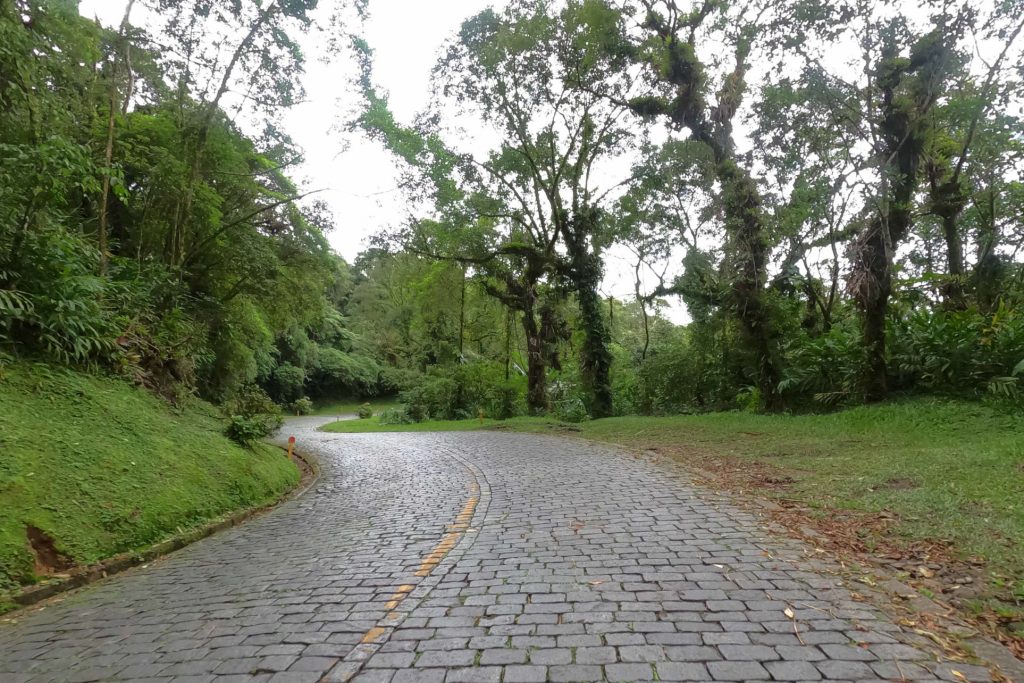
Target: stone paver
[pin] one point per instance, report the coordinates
(572, 562)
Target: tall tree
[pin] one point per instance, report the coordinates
(519, 71)
(903, 91)
(666, 40)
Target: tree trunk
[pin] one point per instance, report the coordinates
(749, 253)
(462, 317)
(986, 276)
(536, 368)
(586, 272)
(508, 344)
(595, 358)
(948, 200)
(873, 285)
(901, 129)
(954, 289)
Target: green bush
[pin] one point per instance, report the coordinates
(365, 412)
(963, 352)
(52, 301)
(434, 398)
(505, 401)
(248, 430)
(462, 392)
(824, 370)
(302, 406)
(252, 415)
(688, 370)
(338, 373)
(394, 416)
(571, 409)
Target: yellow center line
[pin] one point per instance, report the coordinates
(440, 551)
(372, 635)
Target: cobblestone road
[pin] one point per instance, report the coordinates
(475, 557)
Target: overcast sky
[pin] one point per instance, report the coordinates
(358, 176)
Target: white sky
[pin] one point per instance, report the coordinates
(358, 177)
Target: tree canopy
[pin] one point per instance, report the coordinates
(833, 190)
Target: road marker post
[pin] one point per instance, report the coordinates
(291, 447)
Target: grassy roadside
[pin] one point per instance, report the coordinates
(373, 425)
(938, 478)
(99, 467)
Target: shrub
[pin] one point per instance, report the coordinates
(365, 412)
(58, 306)
(435, 398)
(394, 416)
(252, 415)
(571, 409)
(505, 401)
(247, 430)
(960, 351)
(302, 406)
(824, 370)
(395, 380)
(685, 371)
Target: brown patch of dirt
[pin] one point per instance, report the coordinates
(48, 559)
(563, 428)
(865, 538)
(899, 484)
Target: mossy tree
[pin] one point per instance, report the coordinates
(665, 40)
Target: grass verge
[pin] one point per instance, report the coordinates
(92, 467)
(373, 425)
(935, 487)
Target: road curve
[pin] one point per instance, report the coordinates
(475, 557)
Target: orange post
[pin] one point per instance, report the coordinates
(291, 446)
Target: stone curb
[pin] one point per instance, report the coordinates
(89, 574)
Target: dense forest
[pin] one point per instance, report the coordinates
(833, 190)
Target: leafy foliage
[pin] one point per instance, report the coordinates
(861, 234)
(252, 415)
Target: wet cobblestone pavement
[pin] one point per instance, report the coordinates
(475, 557)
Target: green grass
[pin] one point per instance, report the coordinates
(947, 470)
(349, 407)
(102, 467)
(373, 425)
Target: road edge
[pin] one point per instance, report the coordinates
(86, 575)
(992, 654)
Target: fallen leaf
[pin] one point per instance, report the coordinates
(789, 613)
